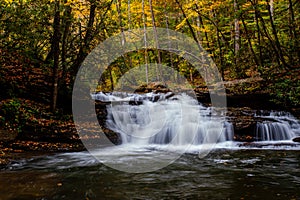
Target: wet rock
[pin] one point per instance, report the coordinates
(244, 123)
(296, 139)
(244, 138)
(155, 87)
(263, 145)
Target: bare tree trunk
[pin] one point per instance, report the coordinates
(145, 42)
(129, 15)
(256, 15)
(236, 32)
(56, 51)
(277, 43)
(67, 23)
(200, 38)
(221, 54)
(191, 75)
(271, 3)
(156, 43)
(293, 34)
(118, 5)
(168, 32)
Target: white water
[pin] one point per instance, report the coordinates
(178, 120)
(277, 126)
(167, 122)
(126, 97)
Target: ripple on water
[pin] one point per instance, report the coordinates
(224, 173)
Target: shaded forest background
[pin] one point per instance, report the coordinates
(43, 43)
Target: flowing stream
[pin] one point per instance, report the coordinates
(178, 120)
(181, 120)
(166, 123)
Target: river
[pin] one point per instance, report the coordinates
(164, 148)
(241, 173)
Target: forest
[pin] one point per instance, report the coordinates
(254, 44)
(44, 43)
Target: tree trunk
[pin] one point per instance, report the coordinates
(67, 23)
(168, 32)
(111, 79)
(277, 43)
(145, 42)
(265, 31)
(189, 25)
(55, 44)
(205, 33)
(118, 5)
(83, 51)
(236, 32)
(129, 15)
(249, 42)
(293, 34)
(216, 26)
(156, 43)
(271, 3)
(256, 15)
(222, 67)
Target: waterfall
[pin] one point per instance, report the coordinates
(277, 126)
(164, 119)
(273, 131)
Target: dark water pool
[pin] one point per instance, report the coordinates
(223, 174)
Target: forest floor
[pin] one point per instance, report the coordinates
(27, 125)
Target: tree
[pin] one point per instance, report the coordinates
(56, 52)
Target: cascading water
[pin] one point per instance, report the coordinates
(145, 119)
(164, 119)
(277, 126)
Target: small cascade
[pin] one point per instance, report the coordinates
(272, 131)
(277, 126)
(167, 119)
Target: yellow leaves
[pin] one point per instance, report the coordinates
(201, 29)
(215, 5)
(208, 5)
(9, 2)
(262, 2)
(79, 8)
(182, 24)
(247, 5)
